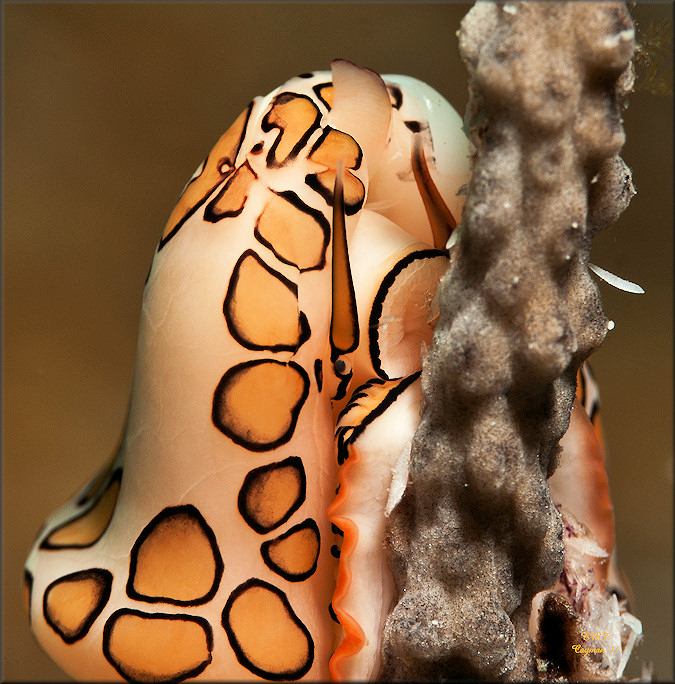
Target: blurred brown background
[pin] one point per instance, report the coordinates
(108, 109)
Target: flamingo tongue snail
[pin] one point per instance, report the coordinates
(279, 352)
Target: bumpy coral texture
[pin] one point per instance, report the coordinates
(476, 534)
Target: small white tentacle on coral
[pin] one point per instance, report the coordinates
(615, 280)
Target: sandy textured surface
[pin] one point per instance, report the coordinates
(476, 534)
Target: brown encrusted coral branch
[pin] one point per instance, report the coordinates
(476, 534)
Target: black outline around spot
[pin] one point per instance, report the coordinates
(208, 632)
(343, 384)
(93, 573)
(317, 91)
(324, 226)
(282, 99)
(103, 474)
(294, 411)
(211, 213)
(239, 652)
(378, 302)
(312, 179)
(590, 402)
(318, 373)
(332, 614)
(304, 332)
(327, 130)
(308, 524)
(396, 93)
(360, 392)
(28, 584)
(581, 391)
(347, 434)
(193, 512)
(198, 204)
(292, 461)
(45, 544)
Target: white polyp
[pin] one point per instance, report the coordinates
(586, 546)
(635, 624)
(621, 37)
(453, 239)
(615, 280)
(610, 325)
